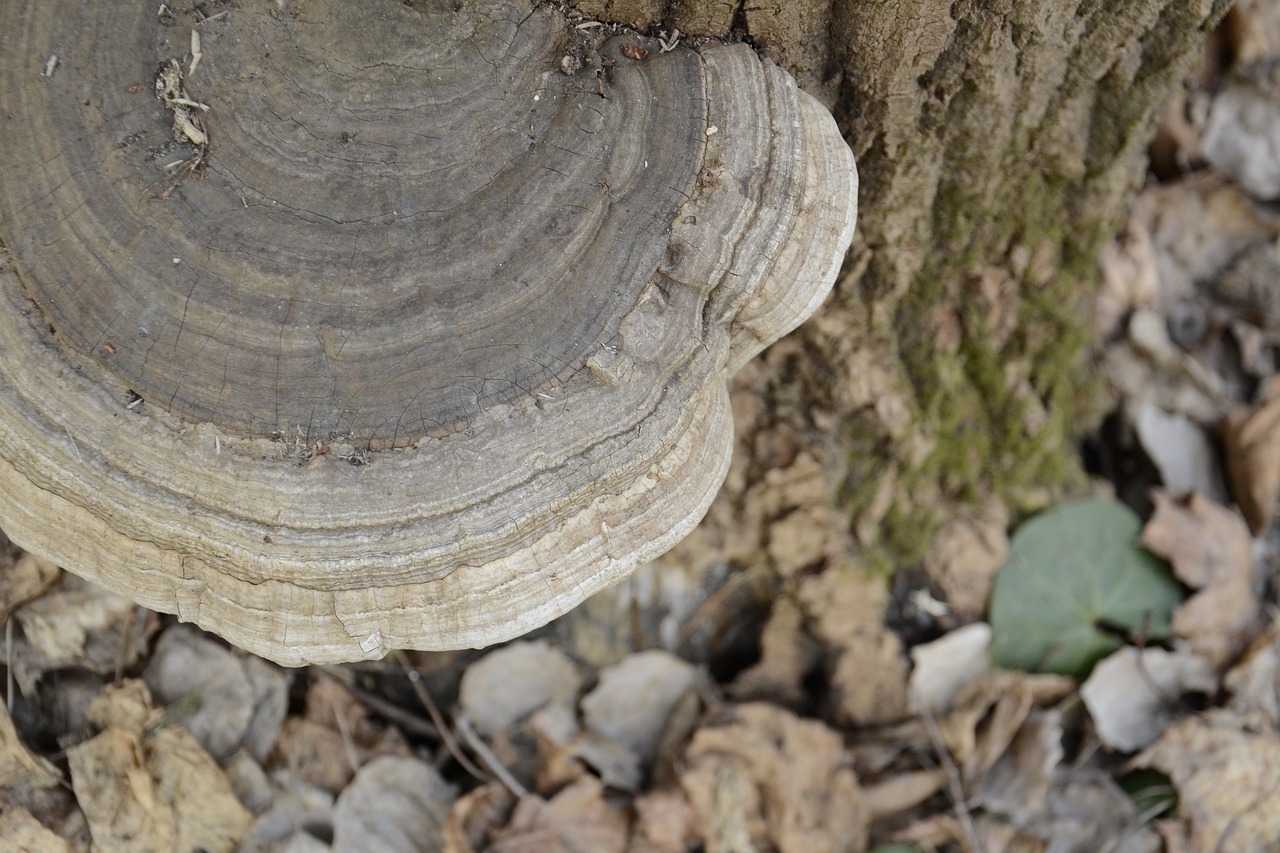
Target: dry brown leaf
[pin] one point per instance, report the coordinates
(780, 781)
(54, 808)
(574, 820)
(965, 556)
(207, 814)
(334, 738)
(1176, 369)
(394, 805)
(475, 816)
(316, 754)
(1130, 277)
(1201, 540)
(20, 831)
(1018, 784)
(1175, 835)
(933, 832)
(126, 705)
(535, 759)
(665, 819)
(1135, 374)
(118, 796)
(634, 698)
(76, 624)
(1133, 696)
(901, 791)
(1177, 138)
(1047, 688)
(1252, 30)
(559, 752)
(508, 684)
(1255, 347)
(984, 720)
(1199, 226)
(1212, 552)
(1251, 445)
(147, 787)
(23, 579)
(1228, 781)
(1254, 682)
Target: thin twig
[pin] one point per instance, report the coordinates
(954, 786)
(8, 663)
(344, 732)
(407, 720)
(429, 704)
(496, 767)
(123, 654)
(1139, 822)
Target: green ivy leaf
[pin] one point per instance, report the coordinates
(1076, 585)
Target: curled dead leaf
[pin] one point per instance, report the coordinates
(1228, 781)
(765, 777)
(1211, 551)
(1251, 442)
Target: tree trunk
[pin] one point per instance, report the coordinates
(998, 145)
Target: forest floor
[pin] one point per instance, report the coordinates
(1104, 676)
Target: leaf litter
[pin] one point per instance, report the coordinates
(852, 717)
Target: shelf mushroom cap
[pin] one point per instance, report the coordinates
(385, 325)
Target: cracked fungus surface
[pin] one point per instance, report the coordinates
(389, 229)
(371, 319)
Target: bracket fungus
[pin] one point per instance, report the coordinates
(343, 327)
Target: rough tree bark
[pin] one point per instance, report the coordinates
(998, 143)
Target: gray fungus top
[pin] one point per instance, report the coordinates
(385, 325)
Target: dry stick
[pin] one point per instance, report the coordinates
(446, 734)
(1174, 703)
(8, 663)
(406, 720)
(344, 732)
(123, 654)
(1139, 822)
(954, 786)
(473, 739)
(1141, 819)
